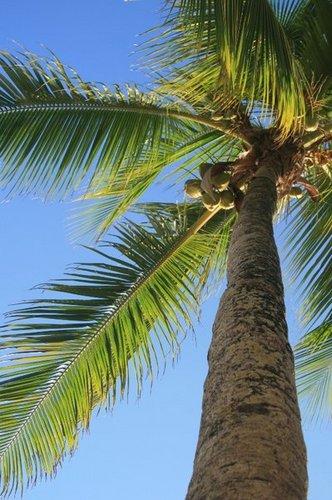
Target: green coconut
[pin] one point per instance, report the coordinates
(311, 123)
(242, 184)
(226, 199)
(193, 188)
(209, 202)
(220, 180)
(329, 114)
(203, 168)
(296, 192)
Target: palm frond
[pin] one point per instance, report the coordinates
(309, 250)
(285, 11)
(59, 133)
(309, 30)
(100, 208)
(106, 322)
(254, 55)
(313, 357)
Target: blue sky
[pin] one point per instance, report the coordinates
(144, 449)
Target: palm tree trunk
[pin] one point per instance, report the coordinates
(250, 443)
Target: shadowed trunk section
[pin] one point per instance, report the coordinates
(250, 443)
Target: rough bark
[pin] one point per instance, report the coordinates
(250, 442)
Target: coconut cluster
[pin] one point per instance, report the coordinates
(296, 192)
(219, 195)
(214, 188)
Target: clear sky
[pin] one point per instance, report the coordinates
(143, 450)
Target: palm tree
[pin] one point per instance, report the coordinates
(242, 96)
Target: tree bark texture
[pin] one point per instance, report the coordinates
(250, 442)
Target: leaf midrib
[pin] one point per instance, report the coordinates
(89, 106)
(207, 215)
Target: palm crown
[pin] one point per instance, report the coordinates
(235, 79)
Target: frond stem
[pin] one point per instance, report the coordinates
(313, 140)
(88, 106)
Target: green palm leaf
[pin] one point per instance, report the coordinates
(309, 29)
(59, 132)
(309, 245)
(313, 357)
(253, 53)
(286, 11)
(102, 207)
(310, 251)
(108, 321)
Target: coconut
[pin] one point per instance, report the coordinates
(193, 188)
(226, 199)
(220, 180)
(296, 192)
(203, 168)
(242, 184)
(311, 123)
(209, 202)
